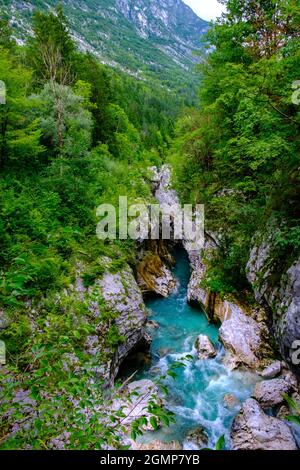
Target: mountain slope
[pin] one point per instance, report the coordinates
(153, 38)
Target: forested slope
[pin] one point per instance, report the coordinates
(74, 134)
(238, 153)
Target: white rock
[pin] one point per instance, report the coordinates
(272, 370)
(205, 348)
(252, 429)
(270, 392)
(123, 297)
(245, 338)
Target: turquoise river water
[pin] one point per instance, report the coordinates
(197, 395)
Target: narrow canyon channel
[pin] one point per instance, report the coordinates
(205, 394)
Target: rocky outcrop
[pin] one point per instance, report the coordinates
(197, 294)
(205, 348)
(278, 288)
(245, 338)
(272, 370)
(122, 295)
(118, 294)
(198, 438)
(270, 393)
(252, 429)
(4, 320)
(153, 269)
(153, 276)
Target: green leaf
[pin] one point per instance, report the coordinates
(153, 422)
(293, 419)
(220, 445)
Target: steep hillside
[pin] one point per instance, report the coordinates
(153, 38)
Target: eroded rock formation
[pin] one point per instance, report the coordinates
(253, 429)
(278, 288)
(118, 294)
(205, 348)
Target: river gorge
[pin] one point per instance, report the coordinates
(231, 382)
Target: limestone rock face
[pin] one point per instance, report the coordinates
(270, 392)
(252, 429)
(119, 294)
(198, 295)
(154, 276)
(154, 273)
(245, 338)
(123, 296)
(205, 348)
(164, 194)
(279, 291)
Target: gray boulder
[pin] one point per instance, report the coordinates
(270, 393)
(272, 370)
(252, 429)
(197, 437)
(245, 338)
(205, 348)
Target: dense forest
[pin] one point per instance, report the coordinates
(74, 134)
(238, 152)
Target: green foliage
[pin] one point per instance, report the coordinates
(220, 444)
(65, 123)
(239, 152)
(6, 40)
(50, 393)
(294, 406)
(73, 134)
(19, 131)
(51, 48)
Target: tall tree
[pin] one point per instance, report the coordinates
(6, 39)
(51, 50)
(19, 131)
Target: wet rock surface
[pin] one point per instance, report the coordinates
(205, 348)
(252, 429)
(153, 276)
(197, 438)
(231, 401)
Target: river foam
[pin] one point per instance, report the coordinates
(197, 395)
